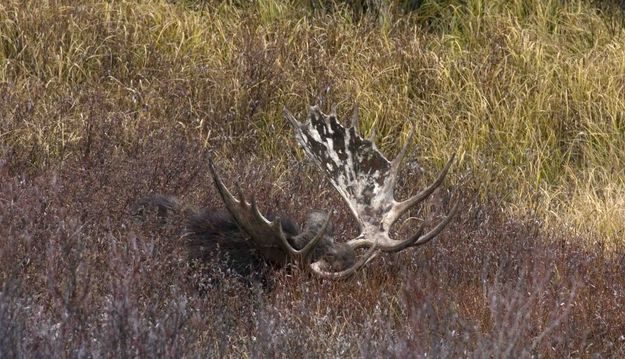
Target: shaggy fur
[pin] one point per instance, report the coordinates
(214, 236)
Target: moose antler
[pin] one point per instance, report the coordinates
(270, 240)
(364, 178)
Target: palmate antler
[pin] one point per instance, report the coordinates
(364, 178)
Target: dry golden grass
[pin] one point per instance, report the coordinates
(530, 94)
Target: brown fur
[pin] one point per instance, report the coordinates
(213, 235)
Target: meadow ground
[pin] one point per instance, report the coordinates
(103, 103)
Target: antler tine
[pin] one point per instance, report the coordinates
(259, 216)
(439, 227)
(418, 238)
(371, 253)
(372, 135)
(226, 196)
(240, 194)
(402, 207)
(407, 243)
(305, 252)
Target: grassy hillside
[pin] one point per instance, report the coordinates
(103, 102)
(529, 94)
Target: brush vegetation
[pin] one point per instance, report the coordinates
(103, 102)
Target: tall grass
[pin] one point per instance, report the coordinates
(529, 93)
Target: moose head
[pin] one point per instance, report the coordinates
(365, 180)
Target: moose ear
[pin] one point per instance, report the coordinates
(289, 227)
(315, 221)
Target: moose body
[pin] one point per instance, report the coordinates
(217, 232)
(214, 234)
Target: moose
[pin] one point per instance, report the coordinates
(361, 174)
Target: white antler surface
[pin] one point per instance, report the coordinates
(364, 178)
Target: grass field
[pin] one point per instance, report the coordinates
(104, 102)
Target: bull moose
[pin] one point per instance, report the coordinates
(361, 174)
